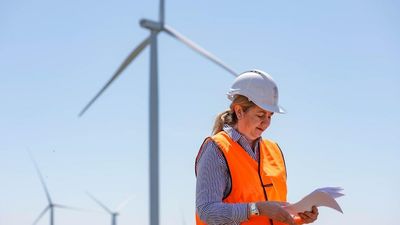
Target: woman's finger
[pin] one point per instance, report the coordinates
(304, 216)
(309, 214)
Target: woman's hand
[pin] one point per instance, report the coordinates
(309, 216)
(275, 211)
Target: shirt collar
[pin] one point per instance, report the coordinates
(232, 132)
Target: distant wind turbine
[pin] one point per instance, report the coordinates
(183, 217)
(51, 205)
(114, 213)
(155, 28)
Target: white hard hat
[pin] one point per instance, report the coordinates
(258, 87)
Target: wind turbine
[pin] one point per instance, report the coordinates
(183, 217)
(114, 213)
(155, 27)
(51, 205)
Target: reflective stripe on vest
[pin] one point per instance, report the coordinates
(253, 181)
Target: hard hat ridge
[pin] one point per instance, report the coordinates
(259, 87)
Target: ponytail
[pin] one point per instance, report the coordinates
(229, 116)
(226, 117)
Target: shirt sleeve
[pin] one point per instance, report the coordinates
(213, 182)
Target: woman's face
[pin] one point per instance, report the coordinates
(253, 122)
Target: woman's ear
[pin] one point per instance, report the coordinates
(238, 110)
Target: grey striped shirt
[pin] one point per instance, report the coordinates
(214, 183)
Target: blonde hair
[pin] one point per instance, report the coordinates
(229, 116)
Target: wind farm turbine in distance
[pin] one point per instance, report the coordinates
(114, 213)
(51, 205)
(155, 27)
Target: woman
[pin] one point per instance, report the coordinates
(241, 178)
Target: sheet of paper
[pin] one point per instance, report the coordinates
(320, 197)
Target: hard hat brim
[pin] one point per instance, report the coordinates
(276, 109)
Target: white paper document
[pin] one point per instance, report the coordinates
(320, 197)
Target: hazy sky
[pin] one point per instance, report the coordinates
(336, 64)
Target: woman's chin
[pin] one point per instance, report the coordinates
(258, 133)
(255, 136)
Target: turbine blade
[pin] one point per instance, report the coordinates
(41, 215)
(40, 177)
(100, 203)
(198, 49)
(124, 203)
(121, 68)
(71, 208)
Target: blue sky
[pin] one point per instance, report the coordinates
(336, 64)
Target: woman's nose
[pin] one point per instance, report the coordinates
(265, 122)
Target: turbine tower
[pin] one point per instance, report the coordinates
(155, 28)
(114, 213)
(51, 205)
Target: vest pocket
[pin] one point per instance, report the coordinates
(267, 185)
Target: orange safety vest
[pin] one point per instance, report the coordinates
(253, 181)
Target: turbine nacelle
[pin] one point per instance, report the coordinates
(151, 25)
